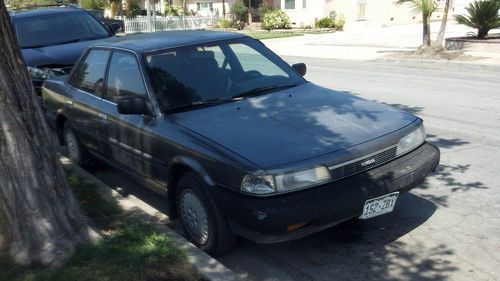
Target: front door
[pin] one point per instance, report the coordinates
(126, 133)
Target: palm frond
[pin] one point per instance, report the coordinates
(481, 15)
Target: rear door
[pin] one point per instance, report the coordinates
(85, 106)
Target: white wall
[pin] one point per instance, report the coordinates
(301, 17)
(216, 4)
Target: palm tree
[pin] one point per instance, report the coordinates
(442, 30)
(426, 7)
(482, 15)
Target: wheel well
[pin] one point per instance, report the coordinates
(176, 173)
(60, 121)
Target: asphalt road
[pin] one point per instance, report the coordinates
(446, 229)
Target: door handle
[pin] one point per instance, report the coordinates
(102, 116)
(69, 102)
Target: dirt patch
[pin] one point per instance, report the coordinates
(435, 53)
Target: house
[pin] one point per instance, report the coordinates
(361, 12)
(305, 13)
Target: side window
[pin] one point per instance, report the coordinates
(89, 76)
(124, 77)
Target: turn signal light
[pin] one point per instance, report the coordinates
(295, 226)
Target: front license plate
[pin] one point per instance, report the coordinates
(379, 206)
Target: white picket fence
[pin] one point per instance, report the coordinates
(158, 23)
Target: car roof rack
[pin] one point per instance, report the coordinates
(36, 6)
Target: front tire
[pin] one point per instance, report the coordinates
(74, 150)
(204, 224)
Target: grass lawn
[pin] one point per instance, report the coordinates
(271, 35)
(131, 250)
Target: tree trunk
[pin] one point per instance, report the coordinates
(442, 30)
(224, 8)
(426, 35)
(40, 220)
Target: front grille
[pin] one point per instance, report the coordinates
(366, 163)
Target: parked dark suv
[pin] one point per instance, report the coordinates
(52, 38)
(236, 139)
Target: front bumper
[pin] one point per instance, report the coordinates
(266, 219)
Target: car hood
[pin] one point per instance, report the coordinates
(62, 55)
(294, 124)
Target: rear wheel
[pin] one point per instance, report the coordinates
(74, 150)
(204, 224)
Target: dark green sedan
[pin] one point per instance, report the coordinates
(238, 142)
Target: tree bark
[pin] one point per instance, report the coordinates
(444, 20)
(426, 34)
(224, 8)
(40, 220)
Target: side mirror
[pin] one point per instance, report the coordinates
(301, 68)
(133, 105)
(114, 27)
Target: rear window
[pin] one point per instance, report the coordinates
(57, 28)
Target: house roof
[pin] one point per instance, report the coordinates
(146, 42)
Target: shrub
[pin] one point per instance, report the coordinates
(239, 11)
(171, 10)
(276, 19)
(325, 23)
(114, 8)
(133, 10)
(94, 4)
(224, 23)
(266, 8)
(339, 22)
(482, 15)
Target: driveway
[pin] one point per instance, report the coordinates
(446, 229)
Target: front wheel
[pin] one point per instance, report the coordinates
(201, 219)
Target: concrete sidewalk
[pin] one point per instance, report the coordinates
(370, 43)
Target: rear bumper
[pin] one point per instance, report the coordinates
(265, 219)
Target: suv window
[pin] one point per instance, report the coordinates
(89, 75)
(57, 29)
(124, 77)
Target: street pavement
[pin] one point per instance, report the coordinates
(446, 229)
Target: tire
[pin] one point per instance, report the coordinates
(74, 150)
(203, 223)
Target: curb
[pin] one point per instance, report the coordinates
(207, 266)
(438, 62)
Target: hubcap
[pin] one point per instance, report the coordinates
(194, 216)
(72, 147)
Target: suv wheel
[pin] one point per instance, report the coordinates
(74, 150)
(202, 221)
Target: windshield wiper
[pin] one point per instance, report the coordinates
(261, 90)
(197, 104)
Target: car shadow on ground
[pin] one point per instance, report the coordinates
(354, 250)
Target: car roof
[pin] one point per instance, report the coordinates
(44, 11)
(148, 42)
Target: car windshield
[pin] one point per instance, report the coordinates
(189, 77)
(58, 28)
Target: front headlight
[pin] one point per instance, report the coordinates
(40, 73)
(44, 73)
(411, 141)
(285, 182)
(258, 184)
